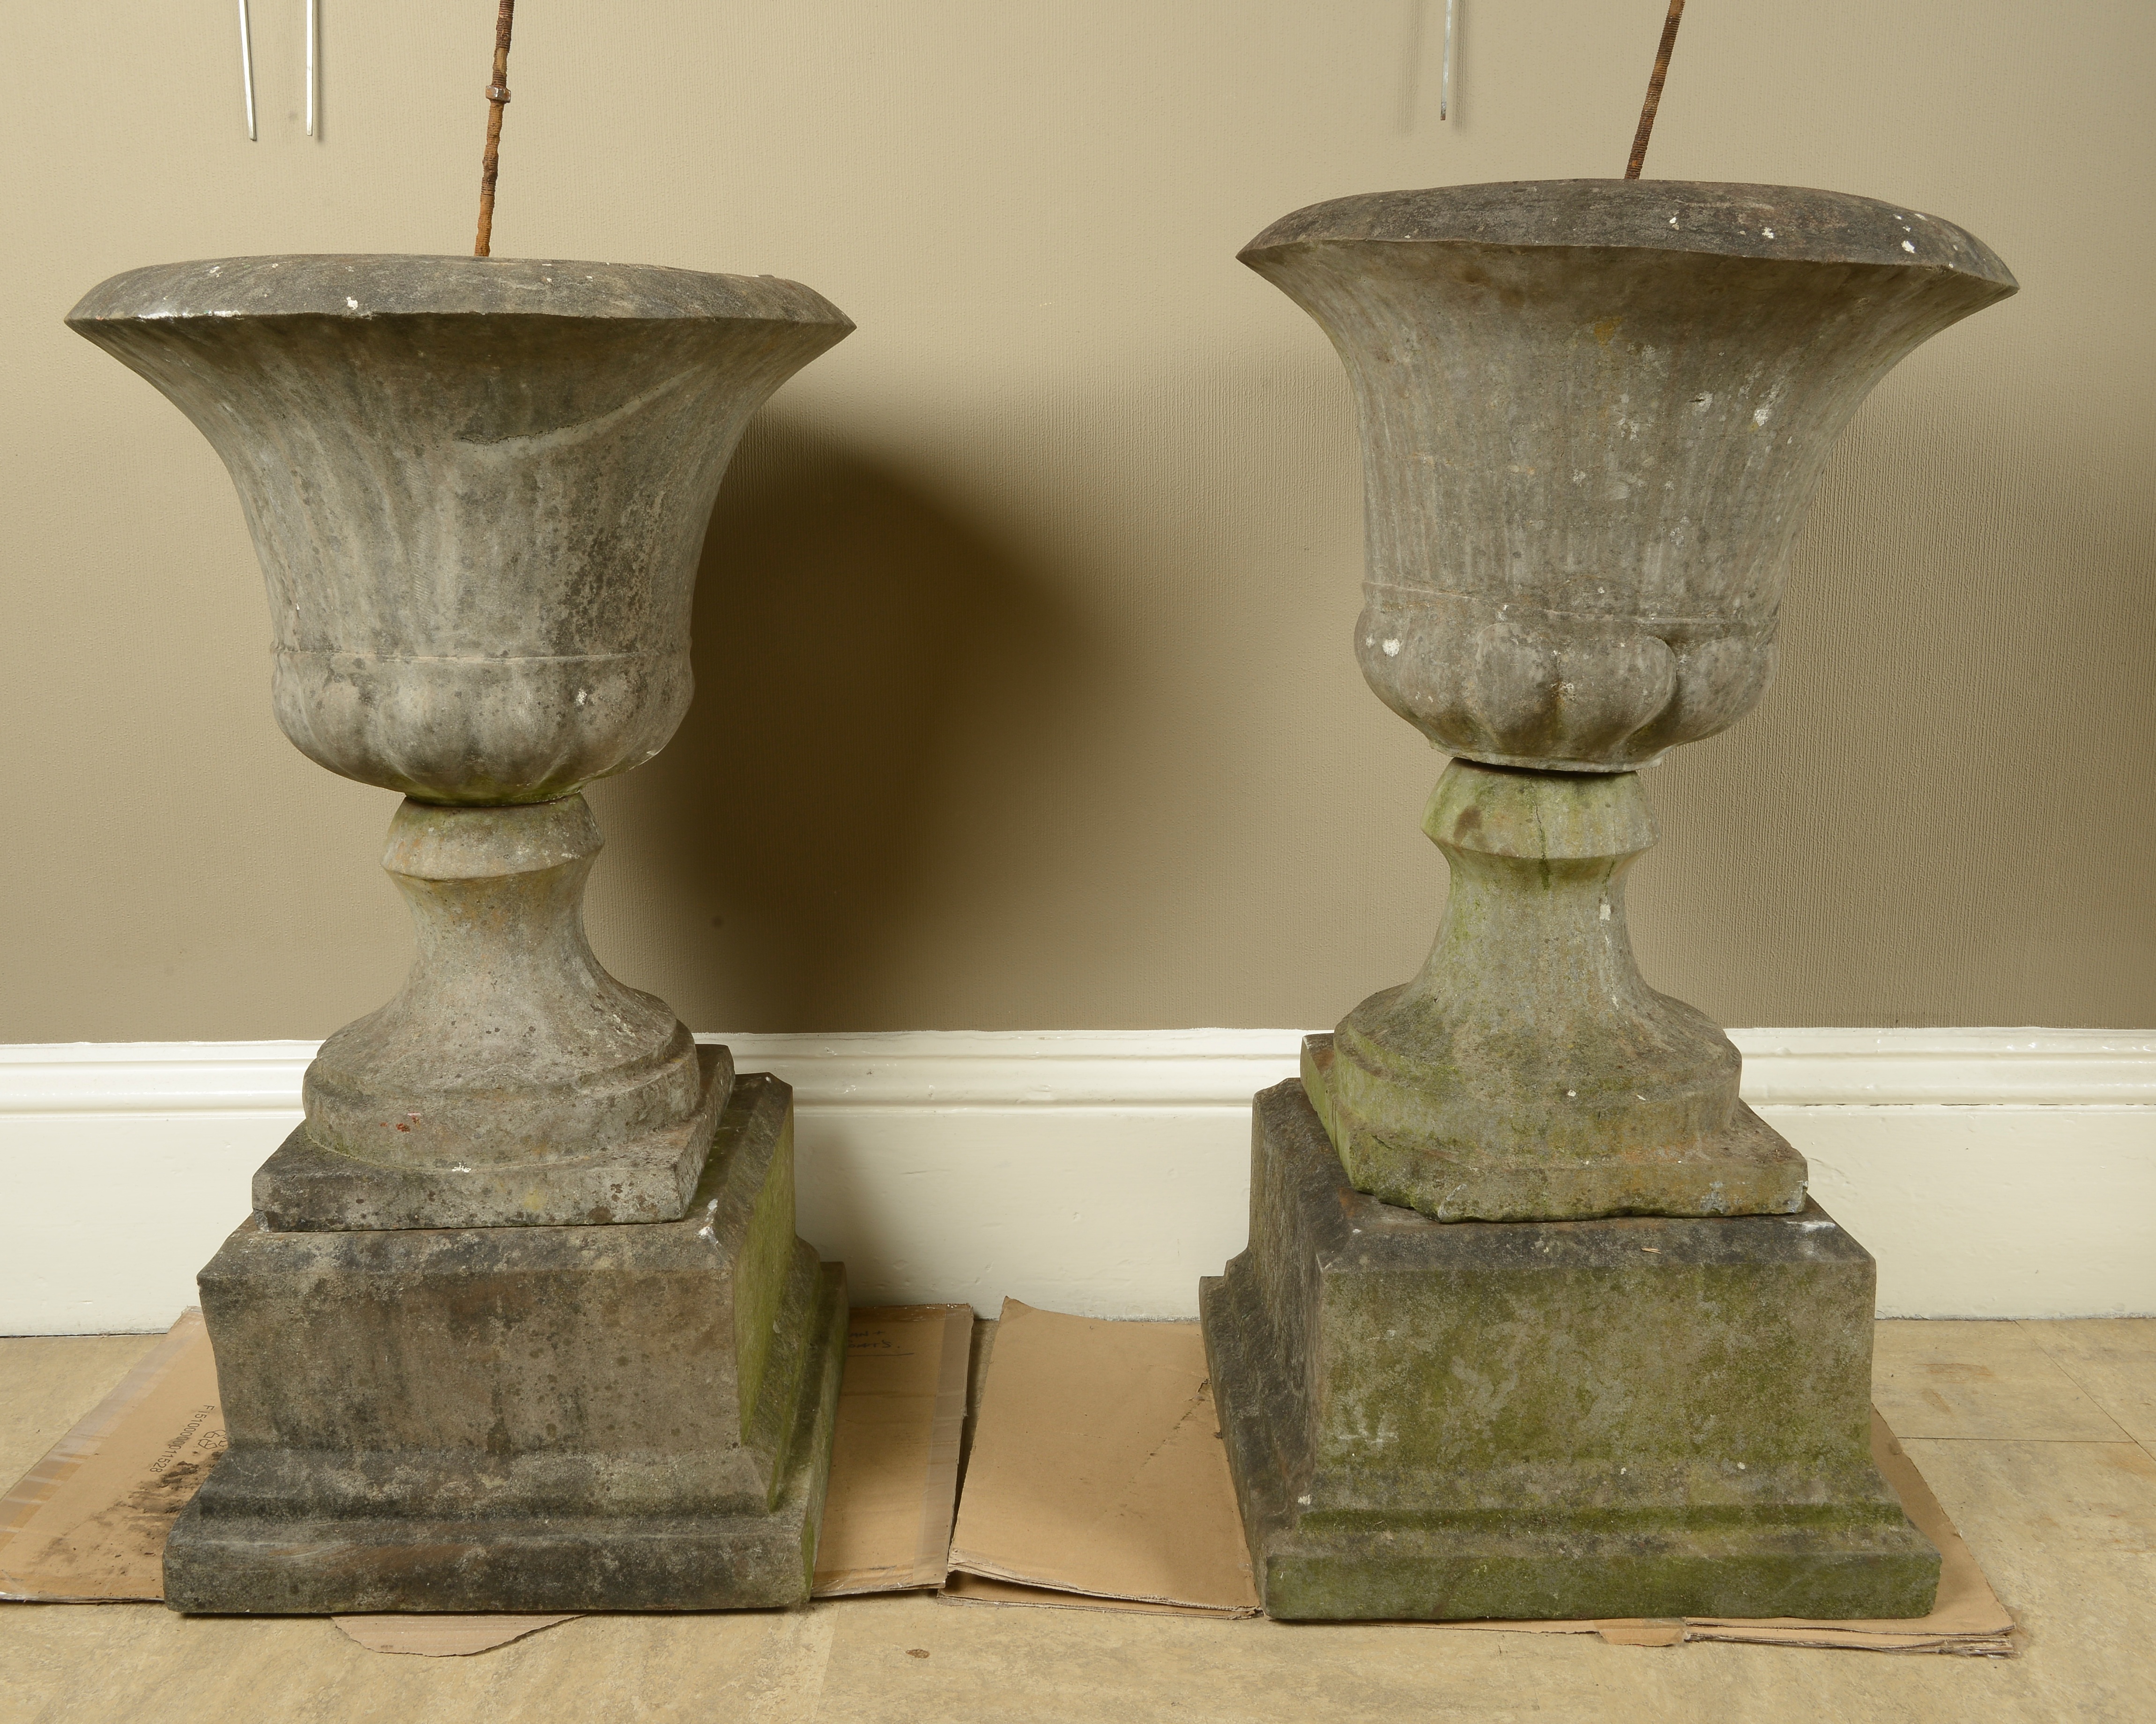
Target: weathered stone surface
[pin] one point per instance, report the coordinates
(1593, 413)
(511, 1077)
(478, 489)
(529, 1417)
(1529, 1073)
(1629, 1417)
(305, 1188)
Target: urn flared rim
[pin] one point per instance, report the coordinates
(1773, 223)
(361, 286)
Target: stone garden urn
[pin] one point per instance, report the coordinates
(1592, 415)
(478, 489)
(520, 1321)
(1537, 1319)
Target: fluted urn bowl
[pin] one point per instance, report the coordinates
(1593, 414)
(478, 489)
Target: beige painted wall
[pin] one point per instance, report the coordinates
(1026, 695)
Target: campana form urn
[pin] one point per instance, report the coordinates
(1537, 1319)
(520, 1321)
(1592, 415)
(478, 489)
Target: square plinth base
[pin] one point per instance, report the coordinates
(1642, 1416)
(306, 1187)
(529, 1418)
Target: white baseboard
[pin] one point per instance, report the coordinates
(1993, 1173)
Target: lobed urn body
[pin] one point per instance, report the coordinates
(478, 491)
(1592, 415)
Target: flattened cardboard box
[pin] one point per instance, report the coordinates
(895, 1458)
(88, 1522)
(1097, 1472)
(1098, 1468)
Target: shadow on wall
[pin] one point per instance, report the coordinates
(866, 660)
(1937, 719)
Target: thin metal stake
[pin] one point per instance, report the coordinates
(1655, 90)
(497, 96)
(1444, 88)
(314, 8)
(247, 72)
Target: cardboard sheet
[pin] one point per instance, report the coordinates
(1097, 1467)
(88, 1521)
(964, 1588)
(895, 1460)
(1085, 1480)
(1966, 1618)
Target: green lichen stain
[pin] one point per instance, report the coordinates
(1627, 1417)
(761, 1276)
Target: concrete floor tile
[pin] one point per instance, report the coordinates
(852, 1662)
(1090, 1667)
(2054, 1502)
(2067, 1534)
(1079, 1667)
(65, 1664)
(2112, 1361)
(1967, 1379)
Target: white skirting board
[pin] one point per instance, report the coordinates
(1992, 1172)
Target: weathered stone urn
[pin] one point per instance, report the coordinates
(478, 491)
(1456, 1381)
(1592, 415)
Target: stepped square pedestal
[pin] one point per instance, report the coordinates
(1632, 1416)
(618, 1417)
(520, 1321)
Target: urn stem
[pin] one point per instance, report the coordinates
(509, 1044)
(1529, 1071)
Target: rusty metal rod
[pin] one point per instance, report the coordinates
(497, 97)
(1653, 91)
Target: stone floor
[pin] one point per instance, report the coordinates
(2038, 1438)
